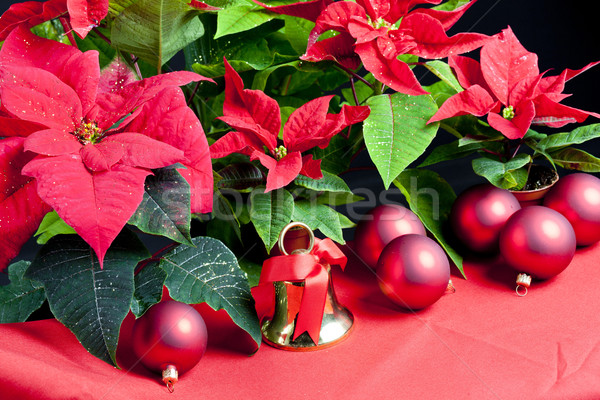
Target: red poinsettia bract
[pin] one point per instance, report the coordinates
(83, 14)
(508, 87)
(62, 151)
(256, 119)
(369, 33)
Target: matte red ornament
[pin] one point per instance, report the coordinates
(170, 338)
(577, 197)
(413, 271)
(380, 226)
(539, 241)
(478, 215)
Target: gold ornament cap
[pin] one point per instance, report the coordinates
(170, 376)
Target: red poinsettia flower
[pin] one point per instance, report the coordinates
(256, 119)
(83, 14)
(62, 150)
(369, 33)
(507, 87)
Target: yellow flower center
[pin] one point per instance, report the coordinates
(88, 132)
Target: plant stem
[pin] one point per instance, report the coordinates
(517, 149)
(354, 74)
(451, 130)
(102, 36)
(194, 91)
(134, 60)
(68, 30)
(353, 90)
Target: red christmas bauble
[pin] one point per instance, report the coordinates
(539, 241)
(169, 333)
(478, 215)
(380, 226)
(413, 271)
(577, 197)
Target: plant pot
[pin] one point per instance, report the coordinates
(545, 177)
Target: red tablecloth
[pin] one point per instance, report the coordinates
(482, 342)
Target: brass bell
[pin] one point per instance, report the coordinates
(278, 330)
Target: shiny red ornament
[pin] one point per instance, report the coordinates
(539, 241)
(577, 197)
(380, 226)
(413, 271)
(170, 338)
(478, 215)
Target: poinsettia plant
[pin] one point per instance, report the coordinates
(507, 88)
(212, 125)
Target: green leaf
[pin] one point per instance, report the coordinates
(241, 17)
(91, 301)
(155, 30)
(431, 198)
(396, 132)
(270, 213)
(336, 157)
(244, 51)
(443, 71)
(564, 139)
(451, 5)
(449, 151)
(328, 183)
(21, 296)
(106, 53)
(297, 31)
(148, 288)
(251, 269)
(345, 222)
(165, 208)
(321, 217)
(500, 174)
(210, 273)
(51, 226)
(51, 30)
(576, 159)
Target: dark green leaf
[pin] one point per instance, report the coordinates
(148, 288)
(155, 30)
(240, 176)
(321, 217)
(244, 51)
(165, 208)
(91, 301)
(270, 213)
(328, 183)
(576, 136)
(336, 157)
(51, 226)
(210, 273)
(503, 174)
(576, 159)
(431, 198)
(450, 151)
(21, 296)
(396, 132)
(252, 271)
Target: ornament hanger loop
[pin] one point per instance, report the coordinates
(523, 281)
(295, 225)
(519, 292)
(171, 387)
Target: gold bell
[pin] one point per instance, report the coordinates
(278, 330)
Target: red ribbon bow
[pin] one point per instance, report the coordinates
(311, 268)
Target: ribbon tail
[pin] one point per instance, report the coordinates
(312, 306)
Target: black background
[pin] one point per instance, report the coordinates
(564, 34)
